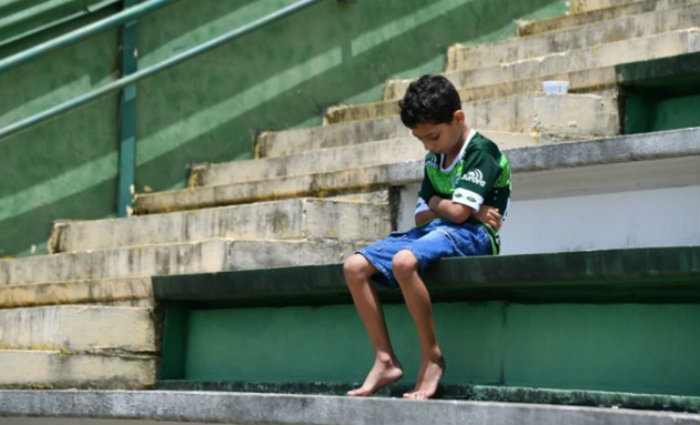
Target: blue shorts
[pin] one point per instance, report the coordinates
(429, 243)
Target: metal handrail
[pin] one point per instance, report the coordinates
(117, 19)
(165, 64)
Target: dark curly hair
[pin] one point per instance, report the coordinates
(430, 99)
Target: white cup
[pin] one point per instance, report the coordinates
(555, 87)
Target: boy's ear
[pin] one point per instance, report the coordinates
(459, 116)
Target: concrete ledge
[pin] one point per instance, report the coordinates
(629, 275)
(212, 407)
(676, 144)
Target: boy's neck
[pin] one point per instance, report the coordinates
(457, 148)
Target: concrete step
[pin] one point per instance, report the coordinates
(463, 57)
(579, 81)
(508, 131)
(590, 15)
(290, 142)
(514, 119)
(127, 290)
(206, 256)
(44, 406)
(580, 6)
(78, 329)
(54, 369)
(523, 163)
(291, 219)
(610, 54)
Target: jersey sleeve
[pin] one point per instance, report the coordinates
(426, 192)
(478, 175)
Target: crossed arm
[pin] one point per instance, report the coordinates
(458, 213)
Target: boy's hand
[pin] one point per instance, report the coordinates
(489, 216)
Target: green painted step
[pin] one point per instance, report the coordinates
(566, 321)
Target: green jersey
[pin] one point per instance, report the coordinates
(480, 175)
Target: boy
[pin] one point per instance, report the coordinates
(465, 191)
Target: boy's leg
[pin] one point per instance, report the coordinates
(386, 368)
(405, 267)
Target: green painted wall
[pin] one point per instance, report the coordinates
(209, 109)
(642, 348)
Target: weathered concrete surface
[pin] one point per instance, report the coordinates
(250, 408)
(54, 369)
(311, 162)
(462, 57)
(510, 121)
(128, 291)
(207, 256)
(596, 15)
(640, 147)
(580, 6)
(579, 81)
(279, 220)
(634, 50)
(78, 329)
(290, 142)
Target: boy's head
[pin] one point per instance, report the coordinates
(432, 110)
(431, 99)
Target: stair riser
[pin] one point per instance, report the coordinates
(210, 256)
(517, 49)
(593, 16)
(52, 369)
(76, 329)
(611, 54)
(285, 220)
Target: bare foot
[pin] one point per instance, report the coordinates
(383, 373)
(431, 370)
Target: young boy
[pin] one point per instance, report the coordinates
(465, 192)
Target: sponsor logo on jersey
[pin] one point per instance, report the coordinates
(475, 176)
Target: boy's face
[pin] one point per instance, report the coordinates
(441, 138)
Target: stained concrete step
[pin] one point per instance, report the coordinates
(509, 121)
(327, 160)
(55, 369)
(588, 80)
(590, 15)
(291, 219)
(464, 57)
(519, 120)
(78, 329)
(112, 291)
(580, 6)
(524, 161)
(668, 44)
(290, 142)
(206, 256)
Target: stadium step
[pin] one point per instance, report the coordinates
(205, 256)
(464, 57)
(588, 16)
(293, 219)
(605, 55)
(511, 121)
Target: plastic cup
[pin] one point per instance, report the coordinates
(555, 87)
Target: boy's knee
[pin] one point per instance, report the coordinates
(404, 263)
(356, 267)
